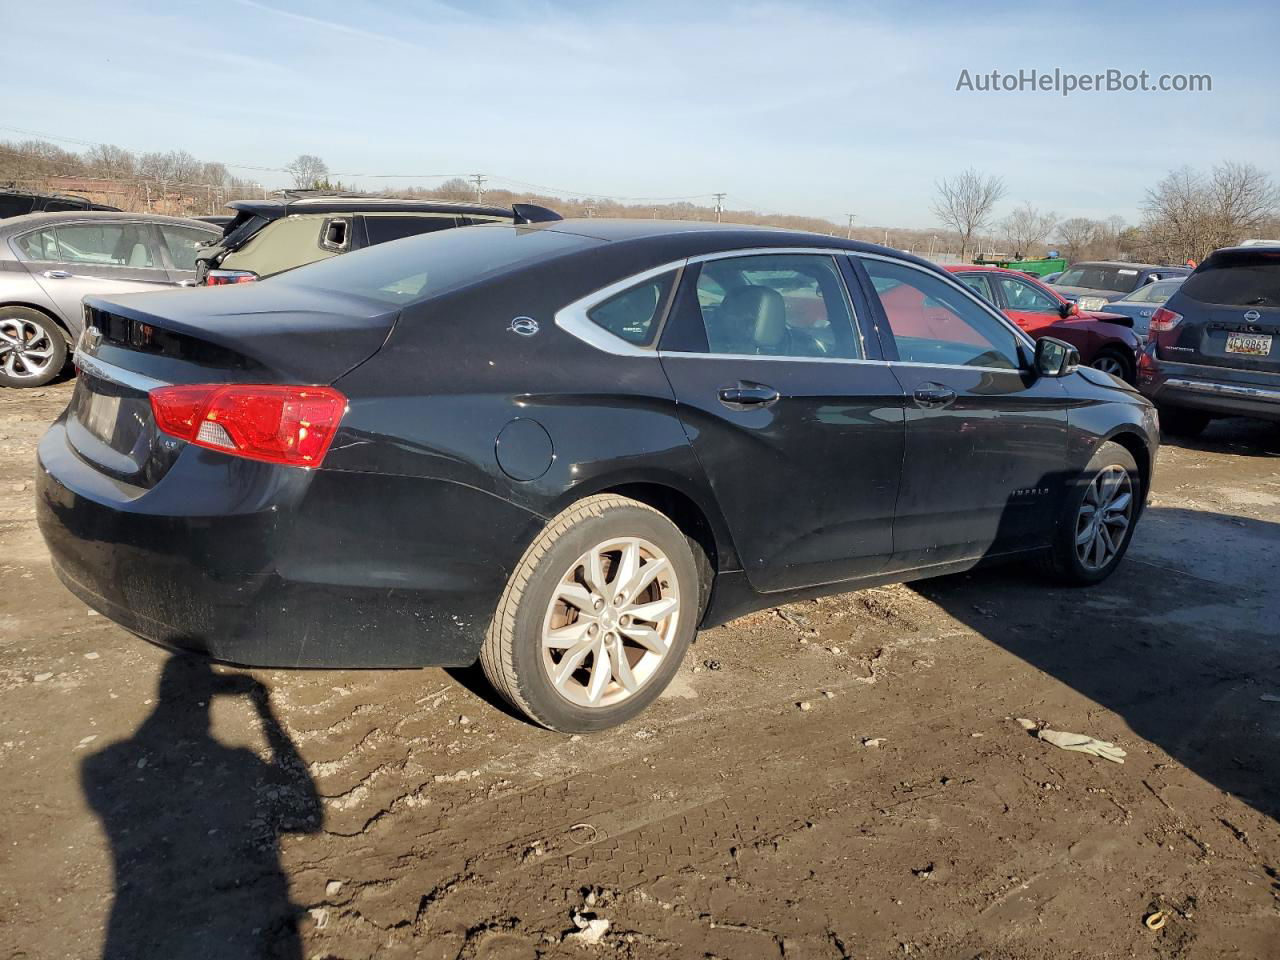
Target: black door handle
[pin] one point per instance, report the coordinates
(745, 394)
(933, 395)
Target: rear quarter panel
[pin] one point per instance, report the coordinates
(19, 288)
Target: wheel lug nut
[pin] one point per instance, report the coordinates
(598, 603)
(626, 621)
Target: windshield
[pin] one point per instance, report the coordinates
(412, 269)
(1157, 292)
(1239, 280)
(1094, 276)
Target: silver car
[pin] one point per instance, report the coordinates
(49, 261)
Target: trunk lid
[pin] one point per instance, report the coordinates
(259, 333)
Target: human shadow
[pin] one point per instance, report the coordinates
(194, 826)
(1180, 642)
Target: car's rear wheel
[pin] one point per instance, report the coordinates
(597, 616)
(1100, 513)
(32, 348)
(1114, 362)
(1181, 422)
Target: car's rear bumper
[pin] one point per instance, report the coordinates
(1222, 391)
(282, 567)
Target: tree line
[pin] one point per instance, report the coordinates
(1185, 216)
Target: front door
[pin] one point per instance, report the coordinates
(99, 257)
(986, 438)
(794, 418)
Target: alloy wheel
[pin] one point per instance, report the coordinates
(1109, 364)
(1104, 517)
(26, 349)
(611, 622)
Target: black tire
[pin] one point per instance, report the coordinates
(37, 331)
(1063, 561)
(512, 653)
(1128, 367)
(1181, 422)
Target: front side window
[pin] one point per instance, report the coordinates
(633, 314)
(776, 305)
(934, 322)
(107, 244)
(184, 243)
(1020, 295)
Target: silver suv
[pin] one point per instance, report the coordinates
(49, 261)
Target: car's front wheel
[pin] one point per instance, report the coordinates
(1097, 524)
(597, 616)
(32, 348)
(1113, 361)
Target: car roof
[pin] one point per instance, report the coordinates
(1127, 265)
(12, 225)
(273, 209)
(967, 267)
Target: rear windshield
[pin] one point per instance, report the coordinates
(1157, 292)
(1238, 280)
(434, 263)
(1094, 277)
(15, 206)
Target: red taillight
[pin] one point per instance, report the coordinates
(220, 278)
(289, 425)
(1163, 320)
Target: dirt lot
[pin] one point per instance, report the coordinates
(834, 779)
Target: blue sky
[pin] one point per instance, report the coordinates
(818, 108)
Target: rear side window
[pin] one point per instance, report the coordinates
(38, 245)
(15, 206)
(386, 228)
(1242, 280)
(978, 284)
(633, 314)
(107, 244)
(932, 322)
(184, 243)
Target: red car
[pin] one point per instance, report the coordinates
(1106, 341)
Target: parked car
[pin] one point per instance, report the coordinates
(1105, 340)
(1051, 277)
(49, 261)
(1214, 347)
(563, 447)
(1143, 302)
(1094, 285)
(268, 237)
(17, 203)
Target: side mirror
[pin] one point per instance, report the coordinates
(1054, 358)
(1068, 310)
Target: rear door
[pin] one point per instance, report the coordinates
(793, 414)
(101, 257)
(986, 439)
(1230, 311)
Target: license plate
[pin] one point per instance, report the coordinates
(1250, 344)
(101, 415)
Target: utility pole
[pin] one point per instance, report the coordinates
(849, 233)
(591, 208)
(886, 237)
(719, 205)
(478, 179)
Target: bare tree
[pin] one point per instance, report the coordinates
(964, 204)
(1189, 215)
(1077, 235)
(1026, 228)
(307, 170)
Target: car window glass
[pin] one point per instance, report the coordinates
(38, 245)
(778, 305)
(56, 206)
(1154, 292)
(15, 206)
(385, 228)
(184, 243)
(1244, 280)
(934, 322)
(632, 314)
(977, 283)
(107, 244)
(1094, 277)
(1020, 295)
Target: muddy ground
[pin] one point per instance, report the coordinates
(842, 778)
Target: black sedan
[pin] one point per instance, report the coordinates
(562, 448)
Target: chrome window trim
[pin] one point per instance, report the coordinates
(573, 319)
(957, 366)
(690, 355)
(114, 374)
(945, 276)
